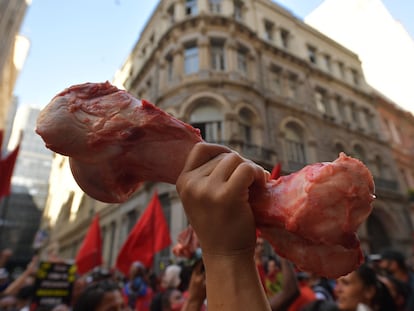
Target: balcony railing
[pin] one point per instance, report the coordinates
(386, 184)
(295, 166)
(250, 151)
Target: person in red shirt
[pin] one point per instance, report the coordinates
(136, 292)
(306, 296)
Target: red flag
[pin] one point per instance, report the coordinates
(90, 253)
(6, 170)
(276, 171)
(1, 141)
(149, 235)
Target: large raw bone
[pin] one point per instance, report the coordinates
(115, 142)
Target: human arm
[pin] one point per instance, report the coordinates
(5, 255)
(290, 289)
(196, 289)
(18, 283)
(214, 188)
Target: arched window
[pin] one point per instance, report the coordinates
(378, 166)
(359, 153)
(377, 234)
(295, 147)
(246, 125)
(338, 148)
(209, 119)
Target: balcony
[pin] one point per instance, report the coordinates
(386, 184)
(250, 151)
(294, 166)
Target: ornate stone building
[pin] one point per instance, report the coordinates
(252, 76)
(13, 50)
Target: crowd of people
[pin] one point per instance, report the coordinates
(233, 273)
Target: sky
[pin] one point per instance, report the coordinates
(77, 41)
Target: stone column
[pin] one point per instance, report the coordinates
(178, 63)
(179, 10)
(227, 7)
(231, 54)
(204, 58)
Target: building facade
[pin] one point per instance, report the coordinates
(252, 76)
(13, 51)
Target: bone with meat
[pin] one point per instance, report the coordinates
(115, 142)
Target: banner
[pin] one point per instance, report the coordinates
(53, 285)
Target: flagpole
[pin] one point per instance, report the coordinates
(153, 233)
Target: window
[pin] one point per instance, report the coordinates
(238, 10)
(275, 79)
(171, 14)
(355, 76)
(378, 166)
(341, 109)
(245, 125)
(395, 134)
(284, 37)
(191, 59)
(328, 63)
(170, 68)
(295, 147)
(321, 101)
(208, 118)
(359, 153)
(218, 59)
(312, 54)
(370, 120)
(338, 149)
(191, 7)
(215, 6)
(292, 87)
(341, 68)
(354, 114)
(269, 28)
(242, 60)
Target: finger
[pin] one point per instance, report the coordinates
(225, 168)
(245, 175)
(207, 168)
(201, 153)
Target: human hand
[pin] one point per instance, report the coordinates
(197, 287)
(214, 189)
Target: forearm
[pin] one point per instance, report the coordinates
(18, 283)
(192, 304)
(233, 283)
(290, 289)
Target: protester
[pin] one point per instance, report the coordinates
(195, 295)
(27, 277)
(8, 303)
(322, 288)
(171, 277)
(289, 291)
(259, 259)
(399, 291)
(170, 280)
(393, 262)
(5, 255)
(137, 293)
(362, 289)
(101, 296)
(172, 300)
(24, 297)
(4, 279)
(273, 278)
(214, 189)
(306, 294)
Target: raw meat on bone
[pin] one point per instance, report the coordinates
(115, 142)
